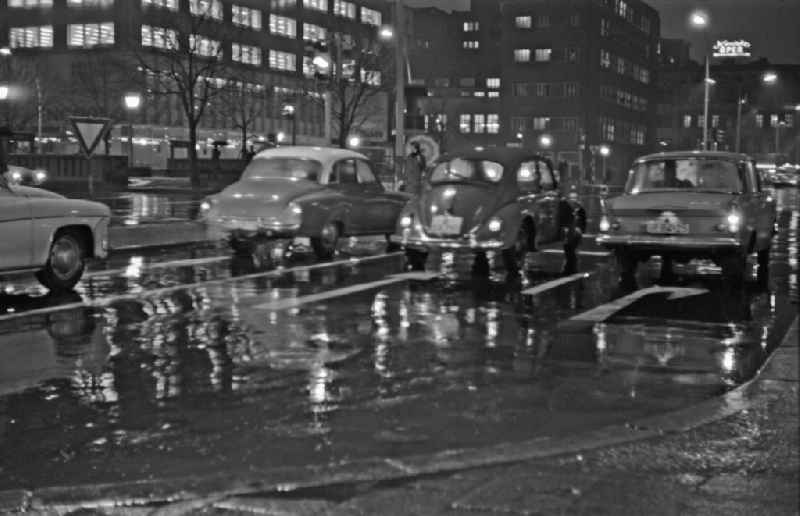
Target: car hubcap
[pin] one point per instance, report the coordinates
(65, 258)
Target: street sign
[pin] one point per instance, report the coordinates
(89, 130)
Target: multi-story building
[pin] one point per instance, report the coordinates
(566, 77)
(86, 54)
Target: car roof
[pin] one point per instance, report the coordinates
(323, 154)
(694, 154)
(499, 154)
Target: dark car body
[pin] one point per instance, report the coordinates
(702, 204)
(314, 193)
(510, 202)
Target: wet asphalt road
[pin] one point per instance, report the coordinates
(181, 361)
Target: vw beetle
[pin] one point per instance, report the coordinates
(490, 199)
(691, 204)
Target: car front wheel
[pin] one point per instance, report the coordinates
(325, 244)
(65, 263)
(415, 259)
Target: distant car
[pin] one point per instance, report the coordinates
(493, 199)
(298, 194)
(47, 234)
(693, 204)
(786, 175)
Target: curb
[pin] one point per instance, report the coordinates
(783, 361)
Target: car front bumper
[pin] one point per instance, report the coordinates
(685, 244)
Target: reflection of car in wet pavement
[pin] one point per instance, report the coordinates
(694, 204)
(49, 235)
(496, 199)
(302, 196)
(48, 346)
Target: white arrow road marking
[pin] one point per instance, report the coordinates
(293, 302)
(538, 289)
(603, 312)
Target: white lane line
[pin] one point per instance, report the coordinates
(293, 302)
(538, 289)
(157, 265)
(603, 312)
(105, 301)
(580, 253)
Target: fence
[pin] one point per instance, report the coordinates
(75, 171)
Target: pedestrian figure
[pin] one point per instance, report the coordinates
(5, 135)
(215, 153)
(414, 169)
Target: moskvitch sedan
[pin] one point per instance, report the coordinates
(296, 197)
(44, 233)
(693, 204)
(490, 199)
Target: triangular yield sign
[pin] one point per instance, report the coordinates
(90, 131)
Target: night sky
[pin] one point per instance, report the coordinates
(772, 26)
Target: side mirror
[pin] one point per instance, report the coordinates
(17, 175)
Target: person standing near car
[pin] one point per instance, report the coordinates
(415, 167)
(5, 134)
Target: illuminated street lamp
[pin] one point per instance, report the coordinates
(605, 151)
(386, 33)
(545, 141)
(133, 101)
(289, 111)
(281, 137)
(4, 92)
(769, 78)
(354, 142)
(700, 20)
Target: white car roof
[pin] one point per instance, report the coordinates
(324, 155)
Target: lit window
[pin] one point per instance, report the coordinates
(314, 33)
(282, 60)
(571, 55)
(471, 26)
(472, 45)
(542, 21)
(493, 123)
(541, 122)
(493, 94)
(87, 3)
(479, 123)
(159, 37)
(607, 129)
(687, 121)
(523, 22)
(605, 27)
(759, 120)
(345, 9)
(773, 120)
(788, 118)
(30, 4)
(479, 93)
(282, 25)
(31, 37)
(246, 17)
(317, 5)
(210, 8)
(371, 77)
(620, 65)
(543, 54)
(464, 123)
(700, 120)
(715, 121)
(605, 59)
(571, 89)
(521, 89)
(542, 89)
(172, 5)
(246, 54)
(621, 8)
(204, 46)
(282, 5)
(522, 55)
(90, 34)
(493, 82)
(371, 17)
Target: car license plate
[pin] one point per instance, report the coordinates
(667, 228)
(446, 225)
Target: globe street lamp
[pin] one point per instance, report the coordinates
(354, 142)
(605, 151)
(700, 20)
(545, 141)
(133, 101)
(289, 111)
(769, 78)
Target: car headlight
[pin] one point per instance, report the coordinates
(734, 221)
(495, 224)
(292, 214)
(39, 176)
(406, 221)
(605, 224)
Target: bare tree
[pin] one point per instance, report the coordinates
(243, 101)
(360, 76)
(185, 61)
(34, 94)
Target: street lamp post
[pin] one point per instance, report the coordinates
(289, 112)
(778, 137)
(699, 20)
(605, 151)
(132, 103)
(399, 83)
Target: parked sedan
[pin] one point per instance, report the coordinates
(302, 195)
(46, 234)
(493, 199)
(694, 204)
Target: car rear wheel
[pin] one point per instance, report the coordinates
(480, 265)
(324, 245)
(733, 268)
(415, 259)
(65, 263)
(514, 257)
(626, 265)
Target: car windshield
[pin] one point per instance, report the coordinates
(467, 170)
(283, 167)
(689, 174)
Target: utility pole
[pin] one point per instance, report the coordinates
(399, 83)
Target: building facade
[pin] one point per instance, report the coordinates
(82, 56)
(564, 77)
